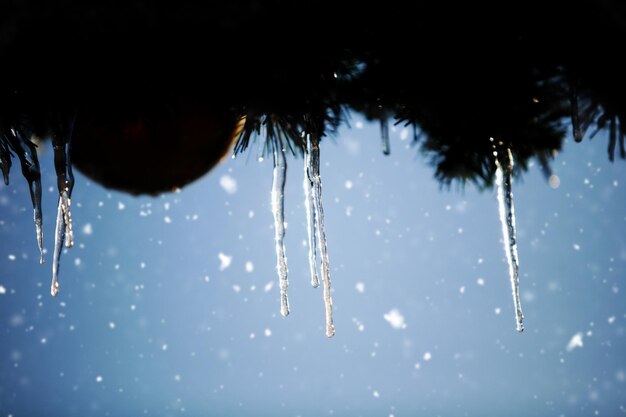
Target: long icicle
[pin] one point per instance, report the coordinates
(310, 219)
(59, 237)
(27, 153)
(278, 210)
(504, 170)
(61, 142)
(314, 171)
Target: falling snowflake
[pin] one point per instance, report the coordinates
(88, 229)
(395, 319)
(225, 260)
(575, 342)
(229, 184)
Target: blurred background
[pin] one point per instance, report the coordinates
(169, 305)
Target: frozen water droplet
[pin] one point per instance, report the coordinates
(554, 181)
(504, 171)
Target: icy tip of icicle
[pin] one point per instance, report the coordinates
(520, 326)
(54, 288)
(284, 299)
(330, 331)
(578, 135)
(66, 202)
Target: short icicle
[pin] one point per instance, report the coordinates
(313, 152)
(384, 133)
(576, 126)
(61, 142)
(310, 219)
(278, 210)
(612, 138)
(504, 170)
(26, 151)
(5, 160)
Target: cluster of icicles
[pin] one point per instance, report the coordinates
(315, 224)
(504, 162)
(19, 141)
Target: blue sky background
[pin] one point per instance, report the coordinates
(147, 323)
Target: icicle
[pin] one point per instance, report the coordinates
(384, 133)
(5, 159)
(612, 139)
(507, 218)
(314, 173)
(59, 237)
(622, 148)
(576, 127)
(310, 219)
(278, 209)
(61, 140)
(27, 153)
